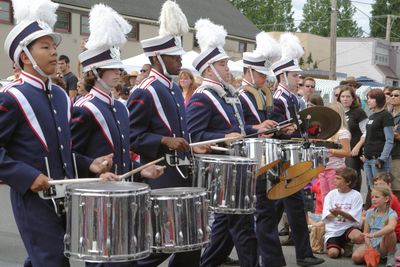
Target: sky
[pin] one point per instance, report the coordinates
(362, 20)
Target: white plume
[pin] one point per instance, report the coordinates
(172, 20)
(209, 35)
(107, 28)
(38, 10)
(291, 47)
(268, 47)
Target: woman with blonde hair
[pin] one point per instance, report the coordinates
(187, 84)
(336, 156)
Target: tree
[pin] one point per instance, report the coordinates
(268, 15)
(301, 62)
(346, 26)
(317, 18)
(378, 24)
(309, 60)
(315, 65)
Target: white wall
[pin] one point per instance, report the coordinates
(356, 58)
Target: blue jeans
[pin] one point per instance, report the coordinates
(370, 170)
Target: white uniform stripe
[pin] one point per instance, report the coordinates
(217, 105)
(251, 106)
(159, 107)
(30, 115)
(100, 120)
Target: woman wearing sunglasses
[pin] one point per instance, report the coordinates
(395, 165)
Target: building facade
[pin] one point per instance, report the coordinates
(73, 24)
(372, 57)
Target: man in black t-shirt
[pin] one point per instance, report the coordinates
(69, 78)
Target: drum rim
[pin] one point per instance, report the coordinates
(159, 193)
(224, 159)
(114, 187)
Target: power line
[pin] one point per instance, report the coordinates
(378, 23)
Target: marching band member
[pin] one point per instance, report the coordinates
(286, 105)
(157, 117)
(257, 103)
(35, 135)
(100, 125)
(214, 111)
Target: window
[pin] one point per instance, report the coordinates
(134, 33)
(242, 47)
(195, 43)
(63, 23)
(6, 12)
(85, 25)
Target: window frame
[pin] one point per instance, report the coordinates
(244, 46)
(80, 25)
(69, 30)
(136, 23)
(10, 20)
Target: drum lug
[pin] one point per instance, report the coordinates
(200, 234)
(134, 211)
(157, 235)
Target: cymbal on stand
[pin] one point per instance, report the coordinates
(286, 188)
(324, 122)
(295, 170)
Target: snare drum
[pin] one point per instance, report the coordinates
(107, 221)
(179, 219)
(231, 181)
(264, 150)
(295, 153)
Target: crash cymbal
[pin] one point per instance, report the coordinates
(286, 188)
(295, 170)
(324, 121)
(265, 168)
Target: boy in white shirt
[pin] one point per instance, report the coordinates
(342, 213)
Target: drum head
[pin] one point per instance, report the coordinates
(103, 187)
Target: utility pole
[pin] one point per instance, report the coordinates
(332, 69)
(388, 27)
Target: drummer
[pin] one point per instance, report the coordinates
(157, 118)
(214, 111)
(257, 103)
(35, 136)
(100, 125)
(286, 105)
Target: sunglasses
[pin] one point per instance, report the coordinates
(141, 71)
(393, 95)
(309, 86)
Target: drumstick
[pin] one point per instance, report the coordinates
(269, 131)
(214, 141)
(74, 181)
(132, 172)
(218, 148)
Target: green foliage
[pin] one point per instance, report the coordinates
(378, 25)
(315, 66)
(309, 59)
(301, 62)
(317, 18)
(268, 15)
